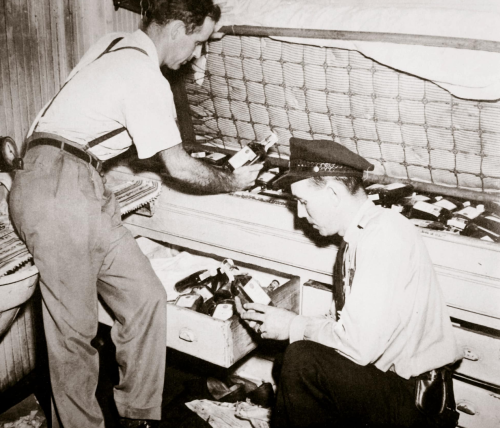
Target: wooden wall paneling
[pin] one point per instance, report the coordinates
(19, 34)
(14, 128)
(6, 116)
(44, 43)
(34, 68)
(40, 42)
(69, 30)
(57, 34)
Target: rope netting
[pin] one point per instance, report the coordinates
(409, 128)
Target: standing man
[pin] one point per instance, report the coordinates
(361, 365)
(115, 97)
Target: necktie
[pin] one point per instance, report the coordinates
(338, 277)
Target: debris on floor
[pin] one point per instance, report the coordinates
(33, 420)
(237, 415)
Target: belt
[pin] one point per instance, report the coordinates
(75, 151)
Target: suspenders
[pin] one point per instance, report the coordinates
(110, 134)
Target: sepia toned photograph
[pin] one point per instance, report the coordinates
(249, 213)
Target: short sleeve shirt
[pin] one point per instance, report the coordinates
(120, 89)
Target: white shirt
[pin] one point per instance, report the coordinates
(394, 315)
(124, 88)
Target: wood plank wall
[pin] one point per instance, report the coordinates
(40, 42)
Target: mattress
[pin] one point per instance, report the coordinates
(465, 73)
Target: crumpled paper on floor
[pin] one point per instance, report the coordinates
(226, 415)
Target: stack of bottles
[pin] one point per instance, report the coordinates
(253, 152)
(212, 292)
(454, 215)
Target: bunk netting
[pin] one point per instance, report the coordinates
(409, 128)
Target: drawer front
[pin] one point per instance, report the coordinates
(478, 408)
(220, 342)
(481, 355)
(203, 336)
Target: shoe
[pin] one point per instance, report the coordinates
(138, 423)
(263, 395)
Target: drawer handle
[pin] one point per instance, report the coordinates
(187, 335)
(466, 408)
(471, 355)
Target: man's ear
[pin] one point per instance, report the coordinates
(177, 29)
(334, 191)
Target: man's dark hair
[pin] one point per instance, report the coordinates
(191, 12)
(353, 184)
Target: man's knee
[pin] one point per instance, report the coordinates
(298, 357)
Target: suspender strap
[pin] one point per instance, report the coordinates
(130, 47)
(104, 137)
(113, 43)
(110, 134)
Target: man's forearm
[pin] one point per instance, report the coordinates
(198, 175)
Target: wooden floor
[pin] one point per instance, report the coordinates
(184, 381)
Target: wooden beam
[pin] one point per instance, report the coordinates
(364, 36)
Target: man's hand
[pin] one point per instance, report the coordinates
(269, 321)
(245, 176)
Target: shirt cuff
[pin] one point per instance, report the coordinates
(298, 328)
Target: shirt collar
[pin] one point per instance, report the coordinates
(143, 41)
(359, 221)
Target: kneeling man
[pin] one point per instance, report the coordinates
(388, 327)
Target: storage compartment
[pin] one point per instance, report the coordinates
(481, 355)
(478, 407)
(220, 342)
(225, 342)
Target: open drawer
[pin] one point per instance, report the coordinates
(219, 342)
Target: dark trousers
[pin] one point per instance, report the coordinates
(72, 227)
(318, 387)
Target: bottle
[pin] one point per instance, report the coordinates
(224, 310)
(201, 277)
(469, 212)
(223, 293)
(203, 291)
(475, 231)
(215, 158)
(252, 153)
(493, 206)
(190, 301)
(427, 211)
(389, 194)
(449, 203)
(373, 192)
(487, 223)
(208, 307)
(265, 179)
(224, 276)
(249, 290)
(237, 289)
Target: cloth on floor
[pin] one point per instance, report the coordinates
(237, 415)
(30, 421)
